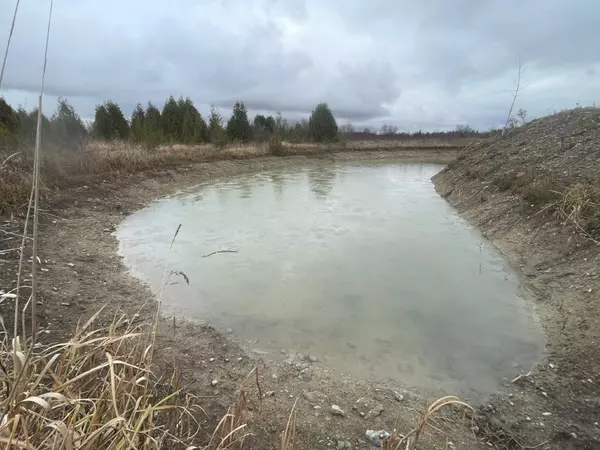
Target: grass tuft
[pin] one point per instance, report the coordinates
(94, 391)
(580, 206)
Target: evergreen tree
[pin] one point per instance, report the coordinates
(109, 122)
(9, 120)
(66, 125)
(171, 120)
(152, 125)
(138, 126)
(188, 132)
(200, 129)
(119, 124)
(216, 132)
(28, 125)
(238, 127)
(102, 126)
(321, 125)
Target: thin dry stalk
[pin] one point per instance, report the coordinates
(95, 391)
(288, 436)
(409, 441)
(580, 206)
(10, 33)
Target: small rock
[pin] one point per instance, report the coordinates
(546, 414)
(301, 356)
(229, 331)
(573, 435)
(71, 265)
(376, 437)
(398, 396)
(314, 359)
(269, 393)
(367, 407)
(214, 382)
(314, 397)
(343, 444)
(226, 359)
(335, 410)
(240, 359)
(305, 374)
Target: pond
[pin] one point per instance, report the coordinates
(361, 264)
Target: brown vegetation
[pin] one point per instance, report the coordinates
(61, 168)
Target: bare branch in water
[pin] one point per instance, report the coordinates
(181, 274)
(219, 251)
(175, 236)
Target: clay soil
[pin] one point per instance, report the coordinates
(82, 272)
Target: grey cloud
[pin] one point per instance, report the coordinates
(426, 64)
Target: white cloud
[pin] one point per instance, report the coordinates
(419, 65)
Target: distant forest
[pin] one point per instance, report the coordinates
(180, 122)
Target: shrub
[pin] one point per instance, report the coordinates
(580, 205)
(276, 144)
(540, 193)
(505, 181)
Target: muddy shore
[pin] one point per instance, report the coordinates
(557, 403)
(82, 272)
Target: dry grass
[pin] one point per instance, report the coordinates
(94, 391)
(98, 390)
(409, 441)
(62, 167)
(579, 206)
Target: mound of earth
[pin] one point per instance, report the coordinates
(535, 193)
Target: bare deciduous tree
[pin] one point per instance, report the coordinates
(515, 95)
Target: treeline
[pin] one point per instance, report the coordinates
(179, 121)
(391, 132)
(63, 127)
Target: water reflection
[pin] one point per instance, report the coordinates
(321, 180)
(278, 182)
(364, 266)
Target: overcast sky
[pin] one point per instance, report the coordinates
(426, 64)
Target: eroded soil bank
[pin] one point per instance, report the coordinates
(506, 189)
(83, 272)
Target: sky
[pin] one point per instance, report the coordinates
(427, 64)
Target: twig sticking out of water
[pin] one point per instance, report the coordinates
(175, 236)
(219, 251)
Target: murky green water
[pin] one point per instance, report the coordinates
(364, 266)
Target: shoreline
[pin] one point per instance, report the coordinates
(549, 403)
(83, 272)
(85, 217)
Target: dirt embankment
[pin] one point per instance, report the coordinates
(80, 271)
(535, 194)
